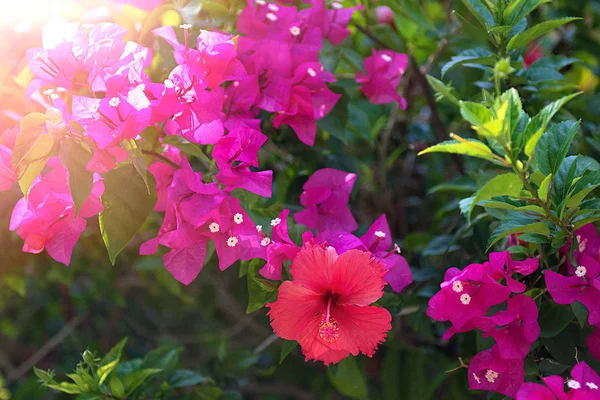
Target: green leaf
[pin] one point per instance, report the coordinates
(286, 349)
(571, 168)
(537, 125)
(137, 159)
(165, 358)
(75, 156)
(517, 223)
(336, 121)
(544, 187)
(471, 56)
(110, 361)
(501, 185)
(348, 379)
(135, 379)
(519, 9)
(28, 173)
(66, 387)
(554, 145)
(185, 377)
(554, 318)
(127, 204)
(522, 39)
(116, 386)
(581, 313)
(44, 376)
(442, 89)
(475, 113)
(468, 147)
(258, 291)
(481, 12)
(188, 147)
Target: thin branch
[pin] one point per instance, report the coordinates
(160, 158)
(46, 349)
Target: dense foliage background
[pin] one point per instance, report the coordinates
(201, 336)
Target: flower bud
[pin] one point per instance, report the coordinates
(384, 14)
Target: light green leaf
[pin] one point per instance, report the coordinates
(537, 125)
(544, 188)
(116, 386)
(188, 147)
(519, 9)
(288, 346)
(127, 204)
(502, 185)
(522, 39)
(481, 12)
(478, 55)
(135, 379)
(75, 156)
(110, 361)
(475, 113)
(517, 223)
(468, 147)
(442, 89)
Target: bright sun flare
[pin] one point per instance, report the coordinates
(24, 14)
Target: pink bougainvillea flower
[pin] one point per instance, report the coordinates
(503, 266)
(234, 154)
(554, 390)
(466, 295)
(280, 248)
(340, 241)
(378, 240)
(384, 15)
(516, 328)
(234, 234)
(489, 371)
(142, 4)
(593, 343)
(588, 244)
(582, 286)
(46, 220)
(384, 70)
(163, 174)
(325, 198)
(326, 306)
(584, 379)
(7, 175)
(310, 100)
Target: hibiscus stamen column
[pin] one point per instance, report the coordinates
(329, 329)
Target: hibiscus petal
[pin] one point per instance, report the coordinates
(361, 329)
(357, 278)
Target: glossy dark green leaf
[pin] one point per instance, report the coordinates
(554, 145)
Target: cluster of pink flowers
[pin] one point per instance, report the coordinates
(582, 281)
(584, 384)
(466, 297)
(212, 97)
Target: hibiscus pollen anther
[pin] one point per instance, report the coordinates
(232, 241)
(329, 331)
(114, 102)
(573, 384)
(491, 375)
(380, 234)
(238, 218)
(581, 271)
(276, 221)
(214, 227)
(465, 299)
(457, 286)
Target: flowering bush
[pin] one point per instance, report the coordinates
(292, 144)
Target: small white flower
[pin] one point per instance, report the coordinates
(169, 83)
(260, 2)
(295, 31)
(258, 228)
(214, 227)
(491, 375)
(336, 5)
(465, 299)
(591, 385)
(397, 249)
(476, 378)
(582, 243)
(311, 72)
(276, 221)
(272, 17)
(386, 57)
(457, 286)
(232, 241)
(186, 26)
(581, 271)
(273, 7)
(114, 102)
(87, 26)
(236, 84)
(48, 92)
(573, 384)
(265, 241)
(238, 218)
(61, 89)
(380, 234)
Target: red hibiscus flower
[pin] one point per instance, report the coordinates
(325, 307)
